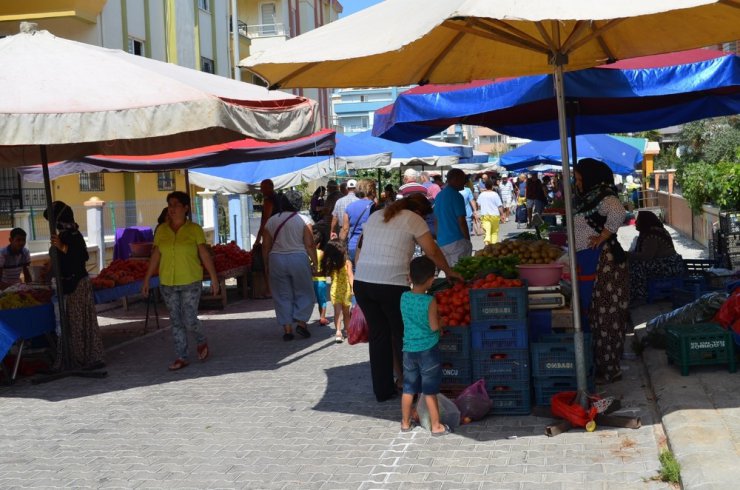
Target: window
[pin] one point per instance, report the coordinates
(204, 5)
(207, 65)
(268, 12)
(90, 182)
(135, 46)
(165, 181)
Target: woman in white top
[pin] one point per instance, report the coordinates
(287, 247)
(382, 268)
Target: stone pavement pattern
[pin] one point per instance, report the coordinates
(263, 413)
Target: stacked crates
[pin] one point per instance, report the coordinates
(454, 349)
(499, 346)
(554, 365)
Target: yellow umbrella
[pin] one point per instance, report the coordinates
(401, 42)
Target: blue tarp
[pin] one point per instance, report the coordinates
(631, 95)
(620, 157)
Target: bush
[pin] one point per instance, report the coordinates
(703, 183)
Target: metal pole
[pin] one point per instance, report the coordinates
(235, 39)
(575, 298)
(54, 256)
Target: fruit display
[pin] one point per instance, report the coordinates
(229, 256)
(471, 267)
(453, 304)
(527, 251)
(23, 296)
(120, 272)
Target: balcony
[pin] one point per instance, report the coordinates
(85, 10)
(264, 30)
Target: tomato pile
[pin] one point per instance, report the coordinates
(120, 272)
(453, 304)
(228, 256)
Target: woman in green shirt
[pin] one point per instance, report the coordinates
(178, 252)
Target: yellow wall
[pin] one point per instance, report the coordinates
(67, 189)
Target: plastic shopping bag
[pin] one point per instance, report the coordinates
(474, 402)
(449, 414)
(357, 330)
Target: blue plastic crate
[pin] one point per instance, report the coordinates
(498, 303)
(455, 341)
(510, 400)
(540, 323)
(499, 335)
(456, 371)
(662, 288)
(554, 355)
(510, 366)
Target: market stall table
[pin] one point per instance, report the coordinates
(239, 273)
(134, 288)
(19, 324)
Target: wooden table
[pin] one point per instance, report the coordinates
(240, 273)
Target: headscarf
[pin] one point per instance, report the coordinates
(598, 182)
(289, 201)
(63, 216)
(649, 225)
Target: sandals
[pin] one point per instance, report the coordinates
(412, 425)
(338, 339)
(203, 351)
(324, 322)
(288, 336)
(444, 432)
(302, 331)
(178, 364)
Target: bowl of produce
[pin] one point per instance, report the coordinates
(541, 274)
(141, 249)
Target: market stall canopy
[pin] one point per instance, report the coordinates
(631, 95)
(241, 178)
(462, 40)
(349, 153)
(620, 157)
(77, 99)
(416, 153)
(244, 150)
(463, 151)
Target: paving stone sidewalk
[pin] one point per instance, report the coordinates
(264, 414)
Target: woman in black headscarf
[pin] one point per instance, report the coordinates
(83, 333)
(654, 255)
(598, 215)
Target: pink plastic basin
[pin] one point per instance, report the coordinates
(541, 274)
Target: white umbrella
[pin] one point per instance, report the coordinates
(78, 99)
(63, 100)
(401, 42)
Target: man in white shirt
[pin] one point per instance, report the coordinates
(337, 216)
(491, 209)
(506, 188)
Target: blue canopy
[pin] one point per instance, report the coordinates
(631, 95)
(409, 153)
(349, 152)
(620, 157)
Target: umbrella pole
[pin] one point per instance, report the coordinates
(380, 184)
(580, 354)
(54, 258)
(63, 351)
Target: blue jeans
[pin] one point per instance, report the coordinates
(292, 287)
(422, 372)
(182, 302)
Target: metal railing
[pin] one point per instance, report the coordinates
(265, 30)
